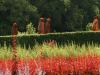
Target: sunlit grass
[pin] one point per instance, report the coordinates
(50, 50)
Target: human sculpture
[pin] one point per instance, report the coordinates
(47, 26)
(95, 23)
(41, 26)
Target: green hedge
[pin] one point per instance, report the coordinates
(61, 38)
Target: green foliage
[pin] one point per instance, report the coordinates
(47, 51)
(5, 53)
(60, 38)
(88, 9)
(54, 9)
(20, 10)
(30, 29)
(89, 27)
(66, 15)
(74, 22)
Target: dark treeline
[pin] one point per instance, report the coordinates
(66, 15)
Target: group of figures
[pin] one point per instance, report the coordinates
(44, 27)
(94, 26)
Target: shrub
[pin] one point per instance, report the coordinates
(60, 38)
(30, 29)
(89, 27)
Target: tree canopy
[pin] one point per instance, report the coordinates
(20, 11)
(66, 15)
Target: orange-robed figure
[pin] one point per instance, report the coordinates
(41, 26)
(47, 25)
(95, 23)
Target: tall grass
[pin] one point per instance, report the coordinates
(50, 50)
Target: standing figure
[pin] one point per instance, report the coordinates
(47, 25)
(14, 40)
(95, 24)
(41, 26)
(14, 33)
(14, 28)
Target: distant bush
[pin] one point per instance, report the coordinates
(89, 27)
(30, 29)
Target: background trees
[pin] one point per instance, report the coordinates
(16, 10)
(54, 9)
(66, 15)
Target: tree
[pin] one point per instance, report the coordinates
(74, 18)
(80, 13)
(54, 9)
(20, 10)
(66, 15)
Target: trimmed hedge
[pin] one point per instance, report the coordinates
(61, 38)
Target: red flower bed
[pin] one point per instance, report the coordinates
(80, 65)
